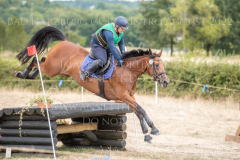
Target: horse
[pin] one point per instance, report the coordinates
(64, 59)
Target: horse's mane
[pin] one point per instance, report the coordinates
(138, 53)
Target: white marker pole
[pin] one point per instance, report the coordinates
(46, 107)
(135, 130)
(82, 94)
(156, 91)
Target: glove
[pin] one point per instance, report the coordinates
(120, 63)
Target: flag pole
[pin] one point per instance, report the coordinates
(46, 107)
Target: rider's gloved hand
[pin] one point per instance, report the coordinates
(120, 63)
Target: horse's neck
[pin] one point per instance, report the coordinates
(137, 65)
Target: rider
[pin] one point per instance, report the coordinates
(104, 41)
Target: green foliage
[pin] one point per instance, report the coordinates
(99, 4)
(230, 15)
(196, 22)
(181, 74)
(2, 34)
(76, 38)
(16, 36)
(4, 4)
(185, 71)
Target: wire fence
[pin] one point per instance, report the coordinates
(141, 88)
(139, 79)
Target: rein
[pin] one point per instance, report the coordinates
(155, 76)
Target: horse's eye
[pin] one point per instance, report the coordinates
(157, 65)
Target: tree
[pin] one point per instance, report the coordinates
(230, 16)
(101, 6)
(209, 31)
(156, 13)
(4, 4)
(16, 36)
(194, 21)
(2, 34)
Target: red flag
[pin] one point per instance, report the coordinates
(32, 50)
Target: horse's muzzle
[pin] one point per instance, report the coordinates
(163, 83)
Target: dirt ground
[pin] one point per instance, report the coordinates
(190, 129)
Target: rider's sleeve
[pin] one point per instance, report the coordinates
(110, 41)
(121, 45)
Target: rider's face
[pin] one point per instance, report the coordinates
(120, 29)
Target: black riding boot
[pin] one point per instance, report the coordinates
(92, 68)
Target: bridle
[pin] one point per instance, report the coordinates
(156, 76)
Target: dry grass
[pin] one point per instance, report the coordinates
(190, 129)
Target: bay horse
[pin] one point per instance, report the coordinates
(65, 57)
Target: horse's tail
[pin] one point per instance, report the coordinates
(41, 40)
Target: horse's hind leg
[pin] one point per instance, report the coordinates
(35, 72)
(25, 74)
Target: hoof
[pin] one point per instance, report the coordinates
(147, 139)
(155, 131)
(16, 73)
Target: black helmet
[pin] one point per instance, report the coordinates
(121, 22)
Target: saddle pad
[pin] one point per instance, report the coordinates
(88, 61)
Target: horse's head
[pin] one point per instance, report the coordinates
(156, 68)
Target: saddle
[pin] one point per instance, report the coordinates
(104, 72)
(106, 66)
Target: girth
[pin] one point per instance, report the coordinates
(101, 72)
(101, 88)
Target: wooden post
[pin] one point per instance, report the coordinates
(1, 113)
(76, 128)
(8, 111)
(118, 127)
(88, 109)
(110, 135)
(100, 142)
(29, 146)
(102, 119)
(25, 118)
(27, 133)
(27, 141)
(28, 125)
(31, 111)
(90, 136)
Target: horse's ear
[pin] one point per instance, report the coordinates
(160, 53)
(150, 52)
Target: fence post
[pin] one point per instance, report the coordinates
(156, 91)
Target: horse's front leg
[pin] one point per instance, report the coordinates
(133, 105)
(154, 130)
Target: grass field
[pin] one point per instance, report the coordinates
(190, 129)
